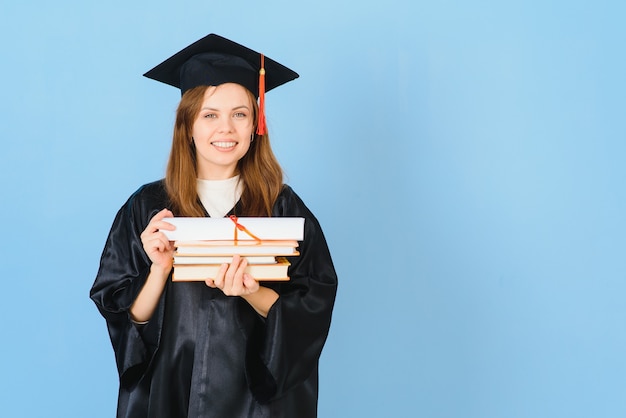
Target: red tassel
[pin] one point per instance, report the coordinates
(261, 127)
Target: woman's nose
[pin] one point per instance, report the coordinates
(226, 125)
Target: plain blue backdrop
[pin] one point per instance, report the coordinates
(465, 158)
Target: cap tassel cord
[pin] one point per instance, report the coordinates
(261, 127)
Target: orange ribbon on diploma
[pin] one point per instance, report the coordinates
(240, 227)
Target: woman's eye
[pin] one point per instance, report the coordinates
(240, 115)
(210, 116)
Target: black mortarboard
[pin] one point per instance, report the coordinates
(214, 60)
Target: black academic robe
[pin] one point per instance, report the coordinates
(204, 354)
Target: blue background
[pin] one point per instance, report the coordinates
(466, 160)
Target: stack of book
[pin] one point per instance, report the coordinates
(204, 244)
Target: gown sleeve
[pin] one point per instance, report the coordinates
(285, 352)
(123, 269)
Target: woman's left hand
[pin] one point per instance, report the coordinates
(232, 280)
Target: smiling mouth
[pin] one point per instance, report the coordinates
(224, 144)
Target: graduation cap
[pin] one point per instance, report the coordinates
(214, 60)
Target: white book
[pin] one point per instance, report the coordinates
(190, 259)
(277, 271)
(229, 248)
(189, 228)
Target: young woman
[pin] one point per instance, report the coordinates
(231, 347)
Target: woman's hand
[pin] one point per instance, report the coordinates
(156, 245)
(161, 253)
(232, 279)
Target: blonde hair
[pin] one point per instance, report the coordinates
(259, 170)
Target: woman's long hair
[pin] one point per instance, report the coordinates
(259, 171)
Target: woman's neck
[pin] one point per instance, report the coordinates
(217, 174)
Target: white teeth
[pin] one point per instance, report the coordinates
(224, 144)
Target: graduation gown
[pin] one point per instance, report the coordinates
(205, 354)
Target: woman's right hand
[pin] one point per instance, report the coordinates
(159, 249)
(161, 253)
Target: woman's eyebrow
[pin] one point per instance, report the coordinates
(234, 108)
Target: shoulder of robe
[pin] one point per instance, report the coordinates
(289, 203)
(149, 194)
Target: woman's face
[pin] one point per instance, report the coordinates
(223, 130)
